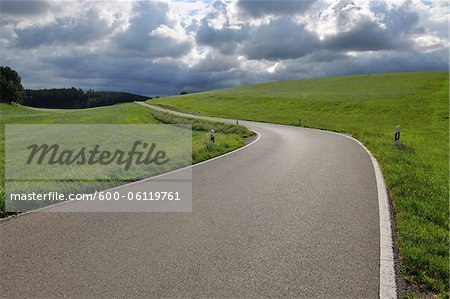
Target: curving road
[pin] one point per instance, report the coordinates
(293, 214)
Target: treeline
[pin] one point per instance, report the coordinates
(12, 91)
(104, 98)
(56, 98)
(76, 98)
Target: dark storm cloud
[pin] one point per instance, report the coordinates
(216, 63)
(260, 8)
(145, 78)
(310, 66)
(225, 39)
(94, 70)
(283, 38)
(324, 56)
(88, 27)
(138, 38)
(23, 8)
(397, 62)
(369, 35)
(280, 39)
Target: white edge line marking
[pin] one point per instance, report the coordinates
(388, 285)
(140, 181)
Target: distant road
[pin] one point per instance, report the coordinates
(294, 214)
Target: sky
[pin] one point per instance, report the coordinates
(165, 47)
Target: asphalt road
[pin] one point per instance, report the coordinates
(294, 214)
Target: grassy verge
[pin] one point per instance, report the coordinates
(228, 137)
(369, 107)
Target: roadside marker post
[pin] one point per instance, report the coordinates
(299, 121)
(212, 137)
(397, 135)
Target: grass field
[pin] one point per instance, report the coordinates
(369, 107)
(226, 140)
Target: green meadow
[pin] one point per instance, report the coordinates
(228, 137)
(369, 107)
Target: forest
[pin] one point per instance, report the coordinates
(72, 98)
(76, 98)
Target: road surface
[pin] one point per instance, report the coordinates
(294, 214)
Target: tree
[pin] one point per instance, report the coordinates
(11, 89)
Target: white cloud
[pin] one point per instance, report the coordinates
(161, 47)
